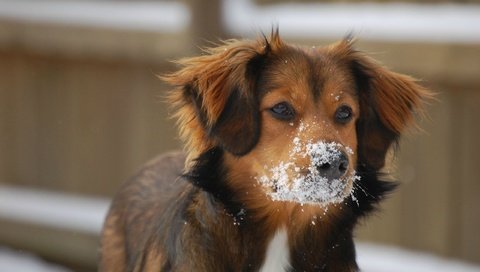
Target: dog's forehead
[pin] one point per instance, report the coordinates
(309, 69)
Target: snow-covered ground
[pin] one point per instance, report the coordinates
(381, 258)
(406, 22)
(16, 261)
(156, 16)
(85, 214)
(53, 210)
(371, 258)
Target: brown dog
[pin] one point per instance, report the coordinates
(283, 150)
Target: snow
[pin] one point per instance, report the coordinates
(18, 261)
(381, 258)
(163, 16)
(289, 181)
(370, 258)
(58, 211)
(446, 22)
(87, 213)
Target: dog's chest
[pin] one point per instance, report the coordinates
(277, 257)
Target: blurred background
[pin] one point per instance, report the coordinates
(81, 110)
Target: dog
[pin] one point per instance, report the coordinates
(284, 147)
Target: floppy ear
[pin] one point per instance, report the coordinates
(389, 102)
(217, 92)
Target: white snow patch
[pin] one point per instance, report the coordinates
(20, 261)
(433, 23)
(381, 258)
(79, 210)
(156, 16)
(60, 211)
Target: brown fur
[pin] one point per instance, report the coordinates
(215, 216)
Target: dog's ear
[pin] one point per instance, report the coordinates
(219, 88)
(389, 102)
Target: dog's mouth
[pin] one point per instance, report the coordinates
(315, 183)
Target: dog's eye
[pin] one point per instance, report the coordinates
(283, 111)
(343, 114)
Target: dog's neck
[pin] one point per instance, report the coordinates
(257, 246)
(315, 238)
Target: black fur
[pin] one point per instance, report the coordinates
(192, 96)
(241, 110)
(209, 174)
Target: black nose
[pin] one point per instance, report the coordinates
(334, 169)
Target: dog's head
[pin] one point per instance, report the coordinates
(296, 122)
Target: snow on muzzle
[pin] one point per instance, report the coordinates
(325, 179)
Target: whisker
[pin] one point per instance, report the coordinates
(358, 185)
